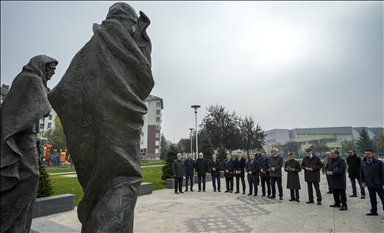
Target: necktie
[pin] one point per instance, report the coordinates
(369, 161)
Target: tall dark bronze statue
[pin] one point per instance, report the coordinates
(100, 103)
(25, 103)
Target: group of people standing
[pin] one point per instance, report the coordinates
(368, 172)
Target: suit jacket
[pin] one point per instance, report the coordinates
(230, 166)
(216, 166)
(372, 174)
(338, 179)
(239, 166)
(201, 166)
(263, 164)
(189, 166)
(252, 167)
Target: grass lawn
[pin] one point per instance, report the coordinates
(62, 185)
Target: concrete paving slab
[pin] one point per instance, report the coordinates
(164, 211)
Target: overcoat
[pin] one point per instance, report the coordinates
(293, 179)
(314, 163)
(338, 178)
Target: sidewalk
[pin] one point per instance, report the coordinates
(164, 211)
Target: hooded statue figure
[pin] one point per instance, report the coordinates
(25, 103)
(100, 104)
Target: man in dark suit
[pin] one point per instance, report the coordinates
(214, 165)
(275, 162)
(264, 173)
(252, 168)
(311, 165)
(189, 166)
(239, 172)
(354, 164)
(229, 166)
(178, 170)
(336, 171)
(372, 176)
(201, 170)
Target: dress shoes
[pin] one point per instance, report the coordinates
(199, 191)
(319, 203)
(292, 199)
(237, 192)
(249, 194)
(343, 208)
(281, 198)
(255, 195)
(334, 205)
(181, 192)
(203, 190)
(263, 195)
(310, 202)
(272, 197)
(297, 200)
(362, 197)
(372, 214)
(226, 191)
(353, 195)
(214, 190)
(176, 193)
(231, 191)
(243, 193)
(219, 191)
(186, 190)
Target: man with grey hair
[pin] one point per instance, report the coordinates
(178, 170)
(215, 165)
(201, 170)
(275, 162)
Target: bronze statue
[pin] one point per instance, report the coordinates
(25, 103)
(100, 103)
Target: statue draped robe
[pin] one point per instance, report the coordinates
(100, 103)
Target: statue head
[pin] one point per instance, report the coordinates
(43, 66)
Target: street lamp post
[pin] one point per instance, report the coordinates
(197, 147)
(190, 138)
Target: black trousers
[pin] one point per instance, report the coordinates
(310, 191)
(372, 197)
(279, 186)
(178, 183)
(199, 178)
(293, 191)
(252, 182)
(329, 188)
(265, 181)
(242, 182)
(229, 183)
(340, 197)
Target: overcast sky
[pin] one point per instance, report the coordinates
(287, 64)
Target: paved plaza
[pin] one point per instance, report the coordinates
(164, 211)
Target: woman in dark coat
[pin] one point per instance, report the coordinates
(229, 166)
(292, 167)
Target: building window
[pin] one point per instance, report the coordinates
(157, 119)
(157, 127)
(41, 126)
(157, 150)
(157, 143)
(49, 125)
(157, 135)
(158, 104)
(158, 112)
(50, 117)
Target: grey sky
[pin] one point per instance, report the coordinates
(288, 64)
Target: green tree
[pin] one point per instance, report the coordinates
(163, 147)
(364, 142)
(45, 188)
(221, 153)
(252, 136)
(56, 137)
(380, 142)
(206, 147)
(171, 156)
